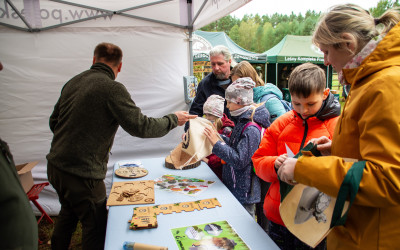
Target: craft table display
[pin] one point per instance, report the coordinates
(231, 211)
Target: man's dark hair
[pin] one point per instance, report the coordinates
(109, 53)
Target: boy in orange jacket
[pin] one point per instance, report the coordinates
(315, 113)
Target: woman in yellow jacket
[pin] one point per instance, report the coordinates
(366, 54)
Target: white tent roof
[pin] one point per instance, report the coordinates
(153, 36)
(36, 15)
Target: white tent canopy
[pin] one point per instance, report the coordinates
(44, 43)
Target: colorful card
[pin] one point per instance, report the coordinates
(215, 235)
(183, 185)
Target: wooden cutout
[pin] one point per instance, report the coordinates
(143, 217)
(164, 209)
(131, 172)
(186, 206)
(146, 217)
(131, 193)
(209, 203)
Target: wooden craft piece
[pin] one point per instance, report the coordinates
(164, 209)
(131, 193)
(131, 172)
(146, 217)
(209, 203)
(186, 206)
(143, 222)
(143, 217)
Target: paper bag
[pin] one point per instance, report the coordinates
(310, 214)
(196, 144)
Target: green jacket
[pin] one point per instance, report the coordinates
(86, 118)
(18, 224)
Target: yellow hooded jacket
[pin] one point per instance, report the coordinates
(369, 130)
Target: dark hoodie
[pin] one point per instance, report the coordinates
(330, 108)
(237, 173)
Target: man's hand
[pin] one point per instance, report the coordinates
(183, 117)
(324, 145)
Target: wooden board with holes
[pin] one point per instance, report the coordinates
(146, 217)
(131, 193)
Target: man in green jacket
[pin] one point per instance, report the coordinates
(91, 107)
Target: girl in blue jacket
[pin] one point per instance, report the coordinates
(236, 151)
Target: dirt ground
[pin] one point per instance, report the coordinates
(46, 229)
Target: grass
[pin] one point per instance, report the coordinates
(46, 230)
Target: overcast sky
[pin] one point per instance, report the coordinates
(269, 7)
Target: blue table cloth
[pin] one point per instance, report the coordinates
(231, 211)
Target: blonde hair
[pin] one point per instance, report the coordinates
(244, 69)
(254, 107)
(352, 19)
(218, 124)
(305, 79)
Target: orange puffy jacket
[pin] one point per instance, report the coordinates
(292, 130)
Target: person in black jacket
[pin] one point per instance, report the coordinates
(215, 82)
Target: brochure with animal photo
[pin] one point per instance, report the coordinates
(214, 235)
(183, 185)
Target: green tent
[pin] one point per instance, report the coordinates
(290, 52)
(203, 41)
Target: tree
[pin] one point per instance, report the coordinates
(257, 41)
(259, 34)
(382, 6)
(247, 31)
(234, 33)
(268, 34)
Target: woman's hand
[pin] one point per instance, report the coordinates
(211, 134)
(286, 171)
(280, 160)
(324, 145)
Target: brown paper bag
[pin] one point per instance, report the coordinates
(307, 213)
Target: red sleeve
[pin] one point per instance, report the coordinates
(214, 161)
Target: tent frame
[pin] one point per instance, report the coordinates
(116, 12)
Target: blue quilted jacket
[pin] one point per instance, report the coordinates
(236, 151)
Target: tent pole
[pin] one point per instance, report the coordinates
(190, 28)
(265, 74)
(327, 76)
(276, 74)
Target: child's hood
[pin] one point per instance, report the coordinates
(330, 108)
(261, 116)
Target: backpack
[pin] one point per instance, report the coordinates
(262, 130)
(287, 105)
